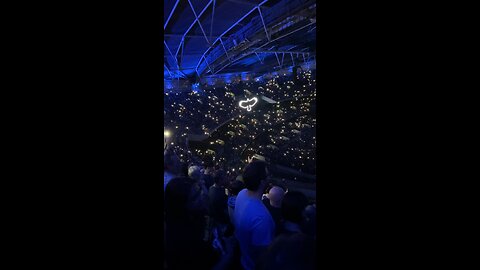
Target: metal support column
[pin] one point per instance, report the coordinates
(226, 53)
(264, 26)
(211, 70)
(259, 58)
(174, 58)
(183, 48)
(278, 60)
(167, 70)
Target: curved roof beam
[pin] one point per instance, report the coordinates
(230, 28)
(171, 13)
(256, 49)
(198, 21)
(194, 21)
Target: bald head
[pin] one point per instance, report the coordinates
(275, 195)
(194, 172)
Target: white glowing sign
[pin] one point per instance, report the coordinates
(248, 104)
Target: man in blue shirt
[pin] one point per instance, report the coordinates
(254, 226)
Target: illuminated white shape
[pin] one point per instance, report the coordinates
(248, 104)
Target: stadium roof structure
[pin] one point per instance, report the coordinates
(210, 37)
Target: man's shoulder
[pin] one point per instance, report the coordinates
(242, 193)
(166, 178)
(258, 211)
(263, 211)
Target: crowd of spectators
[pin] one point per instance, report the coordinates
(284, 132)
(224, 211)
(215, 220)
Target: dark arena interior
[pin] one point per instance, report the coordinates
(240, 134)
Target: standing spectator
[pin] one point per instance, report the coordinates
(207, 176)
(310, 220)
(235, 187)
(183, 169)
(293, 210)
(254, 226)
(217, 202)
(184, 221)
(293, 248)
(194, 172)
(274, 205)
(171, 165)
(217, 198)
(290, 252)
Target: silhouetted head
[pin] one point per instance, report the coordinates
(181, 198)
(171, 163)
(235, 187)
(291, 252)
(293, 206)
(255, 175)
(220, 178)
